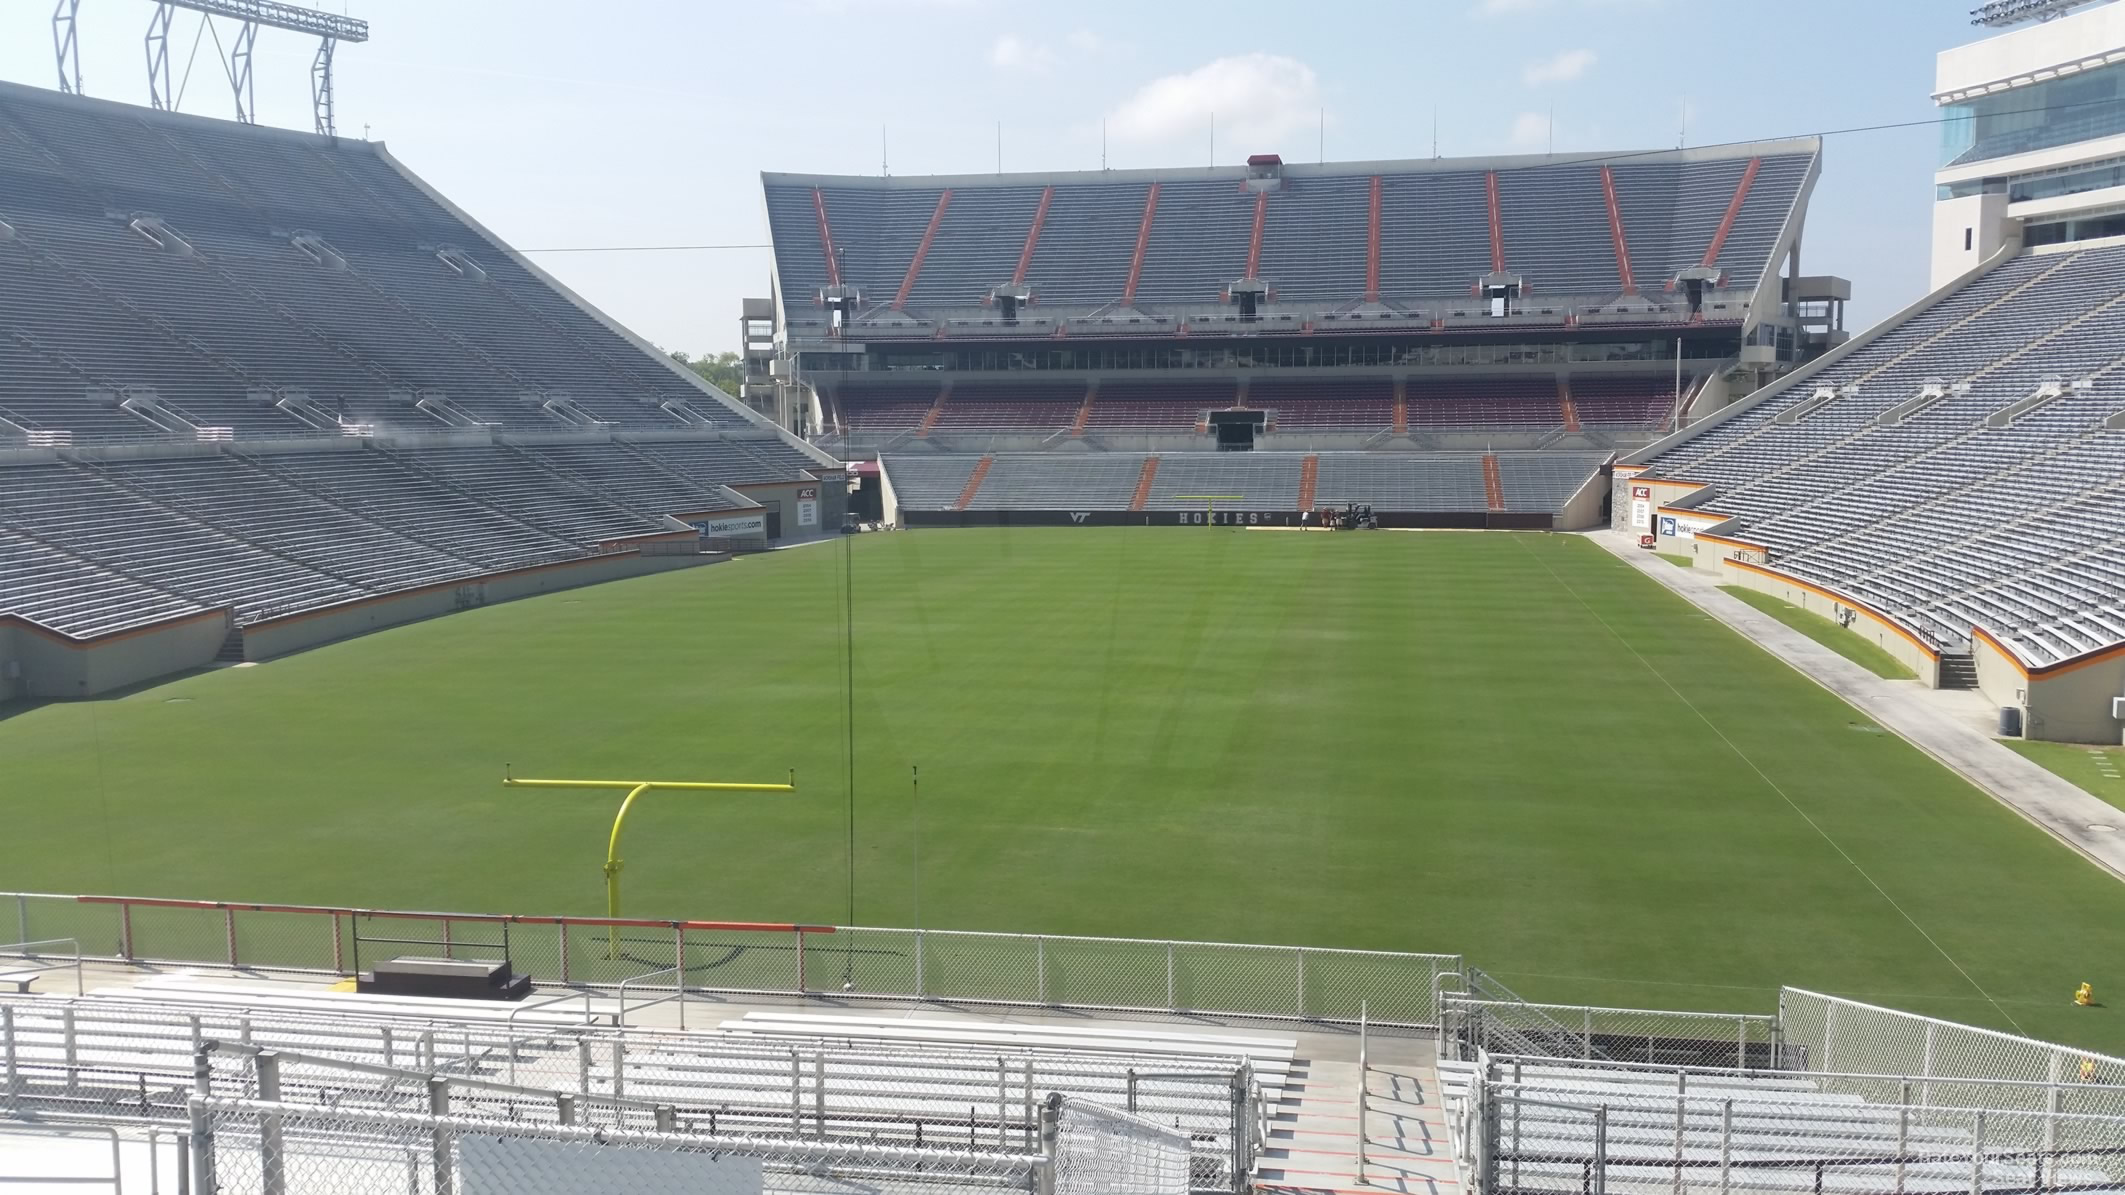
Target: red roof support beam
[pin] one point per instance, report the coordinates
(1623, 248)
(1726, 223)
(826, 240)
(907, 284)
(1497, 224)
(1040, 217)
(1143, 242)
(1372, 244)
(1254, 242)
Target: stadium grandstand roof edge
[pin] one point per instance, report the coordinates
(1738, 150)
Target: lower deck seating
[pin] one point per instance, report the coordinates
(1957, 471)
(103, 545)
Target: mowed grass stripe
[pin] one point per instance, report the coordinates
(1414, 741)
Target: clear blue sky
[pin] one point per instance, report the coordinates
(646, 122)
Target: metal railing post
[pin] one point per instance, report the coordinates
(619, 1065)
(339, 947)
(1601, 1150)
(1172, 1003)
(1050, 1112)
(819, 1093)
(1726, 1142)
(1741, 1043)
(796, 1095)
(1682, 1088)
(66, 1029)
(1129, 1099)
(583, 1063)
(800, 959)
(1977, 1151)
(7, 1045)
(228, 929)
(272, 1173)
(1903, 1137)
(920, 990)
(1239, 1162)
(1586, 1034)
(2051, 1106)
(1926, 1100)
(439, 1105)
(1040, 970)
(561, 927)
(678, 979)
(564, 1107)
(183, 1152)
(1364, 1081)
(125, 932)
(202, 1128)
(1301, 963)
(22, 918)
(667, 1118)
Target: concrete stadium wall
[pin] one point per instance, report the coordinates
(785, 498)
(41, 663)
(280, 636)
(2065, 702)
(1869, 624)
(1583, 509)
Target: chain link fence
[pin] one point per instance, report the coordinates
(1517, 1027)
(1103, 1152)
(1617, 1133)
(264, 1147)
(1112, 974)
(1950, 1065)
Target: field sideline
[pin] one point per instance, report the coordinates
(1510, 746)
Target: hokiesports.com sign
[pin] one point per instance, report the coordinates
(751, 524)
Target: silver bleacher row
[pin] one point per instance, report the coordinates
(90, 547)
(1436, 482)
(1939, 518)
(1667, 1129)
(128, 1053)
(230, 310)
(1434, 233)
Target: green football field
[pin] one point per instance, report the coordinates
(1506, 745)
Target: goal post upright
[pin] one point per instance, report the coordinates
(636, 788)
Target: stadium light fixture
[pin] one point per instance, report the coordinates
(636, 788)
(330, 29)
(2002, 13)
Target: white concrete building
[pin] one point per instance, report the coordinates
(2035, 135)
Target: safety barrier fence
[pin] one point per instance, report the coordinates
(1608, 1034)
(1115, 974)
(102, 1061)
(1535, 1135)
(1832, 1034)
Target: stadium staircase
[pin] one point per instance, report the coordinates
(1958, 670)
(1143, 483)
(936, 411)
(1564, 403)
(981, 473)
(1493, 485)
(1084, 411)
(1309, 480)
(1401, 423)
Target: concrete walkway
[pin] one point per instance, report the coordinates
(1952, 727)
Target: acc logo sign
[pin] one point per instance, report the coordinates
(1641, 491)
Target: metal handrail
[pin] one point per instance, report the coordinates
(509, 1023)
(22, 950)
(115, 1179)
(1776, 1073)
(678, 993)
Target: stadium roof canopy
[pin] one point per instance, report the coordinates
(1400, 241)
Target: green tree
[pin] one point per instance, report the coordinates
(725, 371)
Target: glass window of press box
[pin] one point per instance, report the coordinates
(2062, 111)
